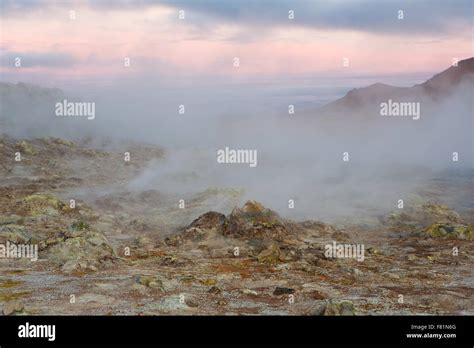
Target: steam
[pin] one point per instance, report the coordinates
(300, 156)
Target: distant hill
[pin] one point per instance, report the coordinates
(438, 87)
(443, 83)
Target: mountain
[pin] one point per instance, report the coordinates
(443, 83)
(435, 89)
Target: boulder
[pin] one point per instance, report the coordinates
(447, 230)
(150, 282)
(412, 218)
(254, 221)
(26, 148)
(271, 255)
(280, 290)
(12, 307)
(41, 204)
(209, 220)
(330, 308)
(87, 251)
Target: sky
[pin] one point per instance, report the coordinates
(92, 43)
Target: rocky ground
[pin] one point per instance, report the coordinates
(117, 251)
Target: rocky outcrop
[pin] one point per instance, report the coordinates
(209, 220)
(87, 251)
(331, 308)
(40, 204)
(254, 221)
(430, 220)
(410, 219)
(449, 230)
(251, 222)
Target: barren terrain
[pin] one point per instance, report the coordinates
(119, 251)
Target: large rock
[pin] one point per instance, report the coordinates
(209, 220)
(330, 308)
(12, 307)
(26, 148)
(271, 255)
(87, 251)
(254, 221)
(421, 216)
(41, 204)
(150, 282)
(192, 234)
(447, 230)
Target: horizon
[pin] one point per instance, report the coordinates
(342, 88)
(89, 46)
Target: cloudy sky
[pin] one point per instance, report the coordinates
(93, 46)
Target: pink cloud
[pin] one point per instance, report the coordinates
(156, 42)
